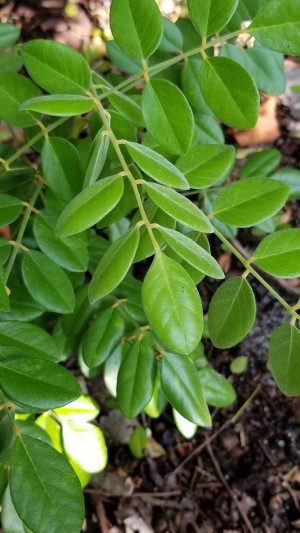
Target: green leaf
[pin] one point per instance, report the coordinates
(37, 384)
(102, 337)
(267, 69)
(210, 16)
(239, 364)
(84, 409)
(122, 60)
(114, 265)
(4, 299)
(42, 503)
(291, 177)
(70, 252)
(97, 158)
(248, 202)
(261, 164)
(62, 167)
(59, 105)
(136, 378)
(52, 428)
(172, 39)
(284, 361)
(92, 204)
(168, 116)
(138, 442)
(191, 252)
(9, 34)
(217, 390)
(204, 165)
(10, 520)
(178, 207)
(30, 339)
(172, 304)
(84, 445)
(279, 254)
(156, 166)
(10, 62)
(190, 78)
(208, 129)
(10, 209)
(47, 283)
(181, 385)
(277, 26)
(127, 107)
(14, 90)
(230, 92)
(184, 426)
(201, 240)
(231, 312)
(144, 26)
(56, 68)
(22, 305)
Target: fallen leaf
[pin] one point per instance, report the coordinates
(267, 128)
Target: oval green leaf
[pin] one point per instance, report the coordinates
(59, 105)
(97, 158)
(144, 26)
(136, 378)
(231, 312)
(34, 485)
(30, 339)
(10, 209)
(250, 201)
(92, 204)
(168, 116)
(277, 26)
(172, 304)
(84, 445)
(114, 265)
(284, 360)
(14, 90)
(279, 254)
(230, 92)
(178, 207)
(182, 387)
(9, 34)
(217, 390)
(210, 16)
(191, 252)
(37, 384)
(156, 166)
(261, 164)
(204, 165)
(47, 283)
(56, 68)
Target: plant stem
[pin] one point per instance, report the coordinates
(102, 113)
(250, 269)
(29, 209)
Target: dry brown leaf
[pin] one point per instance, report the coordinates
(267, 128)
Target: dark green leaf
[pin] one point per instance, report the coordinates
(231, 312)
(279, 254)
(30, 339)
(178, 207)
(102, 337)
(144, 26)
(267, 69)
(172, 304)
(37, 384)
(210, 16)
(250, 201)
(9, 34)
(56, 68)
(190, 78)
(284, 360)
(291, 177)
(192, 253)
(10, 209)
(42, 503)
(261, 164)
(168, 116)
(121, 60)
(98, 153)
(204, 165)
(47, 283)
(136, 378)
(217, 390)
(62, 168)
(156, 166)
(181, 385)
(230, 92)
(114, 265)
(14, 90)
(208, 129)
(10, 520)
(92, 204)
(277, 26)
(59, 105)
(10, 62)
(172, 40)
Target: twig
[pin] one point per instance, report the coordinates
(101, 514)
(227, 487)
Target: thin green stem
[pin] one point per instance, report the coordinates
(15, 249)
(250, 269)
(103, 115)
